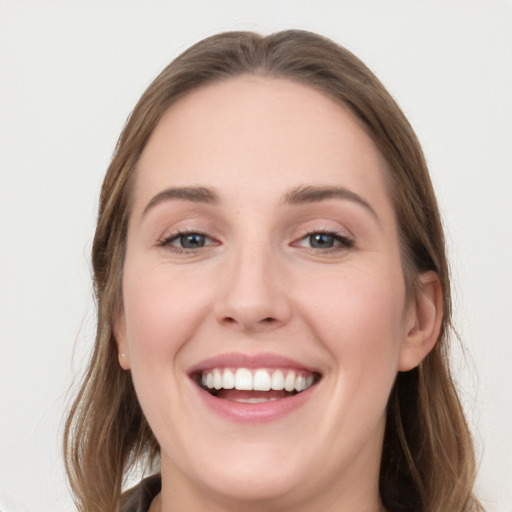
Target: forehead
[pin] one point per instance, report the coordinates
(270, 133)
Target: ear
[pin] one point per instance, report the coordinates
(423, 322)
(121, 342)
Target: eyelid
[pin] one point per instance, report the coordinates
(337, 236)
(166, 240)
(323, 227)
(344, 241)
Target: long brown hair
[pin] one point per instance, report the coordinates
(428, 458)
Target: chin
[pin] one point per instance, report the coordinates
(250, 484)
(253, 475)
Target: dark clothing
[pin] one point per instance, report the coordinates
(139, 498)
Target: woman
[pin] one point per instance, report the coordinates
(273, 297)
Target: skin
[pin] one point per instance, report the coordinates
(258, 285)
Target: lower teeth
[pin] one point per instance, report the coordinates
(253, 400)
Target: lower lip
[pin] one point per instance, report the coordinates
(255, 413)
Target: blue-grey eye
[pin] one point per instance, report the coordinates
(191, 240)
(321, 240)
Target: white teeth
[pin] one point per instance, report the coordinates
(289, 382)
(217, 379)
(300, 383)
(254, 400)
(243, 379)
(261, 379)
(278, 380)
(228, 380)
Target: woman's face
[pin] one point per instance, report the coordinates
(263, 254)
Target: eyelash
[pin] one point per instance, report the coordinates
(342, 242)
(167, 242)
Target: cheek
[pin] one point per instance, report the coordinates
(358, 316)
(161, 312)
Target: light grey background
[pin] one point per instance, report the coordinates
(71, 72)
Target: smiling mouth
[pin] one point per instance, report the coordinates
(257, 385)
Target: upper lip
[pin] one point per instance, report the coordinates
(251, 361)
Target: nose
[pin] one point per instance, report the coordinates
(254, 296)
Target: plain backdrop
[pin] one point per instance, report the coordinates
(71, 71)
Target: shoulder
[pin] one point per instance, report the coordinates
(139, 498)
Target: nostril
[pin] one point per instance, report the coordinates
(250, 324)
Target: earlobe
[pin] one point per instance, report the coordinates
(423, 323)
(122, 345)
(124, 361)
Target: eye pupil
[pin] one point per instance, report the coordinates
(321, 240)
(192, 240)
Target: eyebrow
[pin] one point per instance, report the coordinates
(194, 194)
(296, 196)
(315, 194)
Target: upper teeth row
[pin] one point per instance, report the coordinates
(259, 380)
